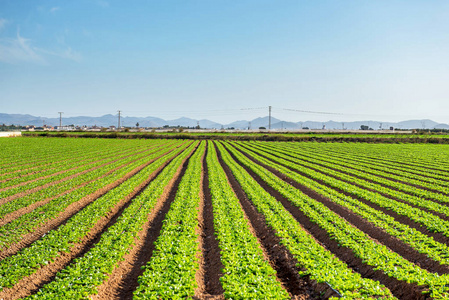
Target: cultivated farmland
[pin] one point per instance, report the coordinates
(171, 219)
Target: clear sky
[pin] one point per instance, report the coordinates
(381, 60)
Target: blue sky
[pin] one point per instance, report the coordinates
(381, 60)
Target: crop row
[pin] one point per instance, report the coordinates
(74, 160)
(372, 253)
(12, 232)
(170, 274)
(97, 171)
(399, 172)
(65, 237)
(318, 262)
(431, 221)
(86, 273)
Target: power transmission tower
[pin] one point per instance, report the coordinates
(119, 111)
(269, 117)
(60, 118)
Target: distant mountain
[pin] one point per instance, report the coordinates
(108, 120)
(285, 125)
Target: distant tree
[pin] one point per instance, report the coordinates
(262, 128)
(137, 124)
(364, 127)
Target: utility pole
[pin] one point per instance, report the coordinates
(269, 117)
(119, 111)
(249, 125)
(60, 119)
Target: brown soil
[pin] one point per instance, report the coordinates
(43, 166)
(31, 284)
(24, 210)
(16, 214)
(400, 289)
(400, 218)
(376, 233)
(123, 281)
(278, 256)
(23, 175)
(69, 212)
(210, 272)
(390, 167)
(39, 178)
(356, 168)
(38, 188)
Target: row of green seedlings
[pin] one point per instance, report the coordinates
(83, 277)
(64, 171)
(397, 172)
(13, 231)
(331, 185)
(417, 157)
(387, 186)
(432, 222)
(372, 253)
(315, 260)
(170, 273)
(65, 163)
(369, 169)
(101, 170)
(19, 154)
(414, 238)
(56, 150)
(246, 274)
(64, 238)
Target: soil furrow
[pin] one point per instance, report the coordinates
(356, 168)
(16, 214)
(31, 284)
(373, 231)
(399, 218)
(38, 188)
(210, 265)
(122, 283)
(68, 213)
(400, 289)
(278, 256)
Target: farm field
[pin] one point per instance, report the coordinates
(171, 219)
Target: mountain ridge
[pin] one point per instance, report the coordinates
(112, 120)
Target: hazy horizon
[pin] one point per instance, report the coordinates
(384, 60)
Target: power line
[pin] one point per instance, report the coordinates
(313, 112)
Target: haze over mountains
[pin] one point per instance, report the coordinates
(108, 120)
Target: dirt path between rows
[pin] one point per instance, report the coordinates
(400, 289)
(278, 256)
(399, 218)
(123, 281)
(210, 272)
(38, 188)
(69, 212)
(373, 231)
